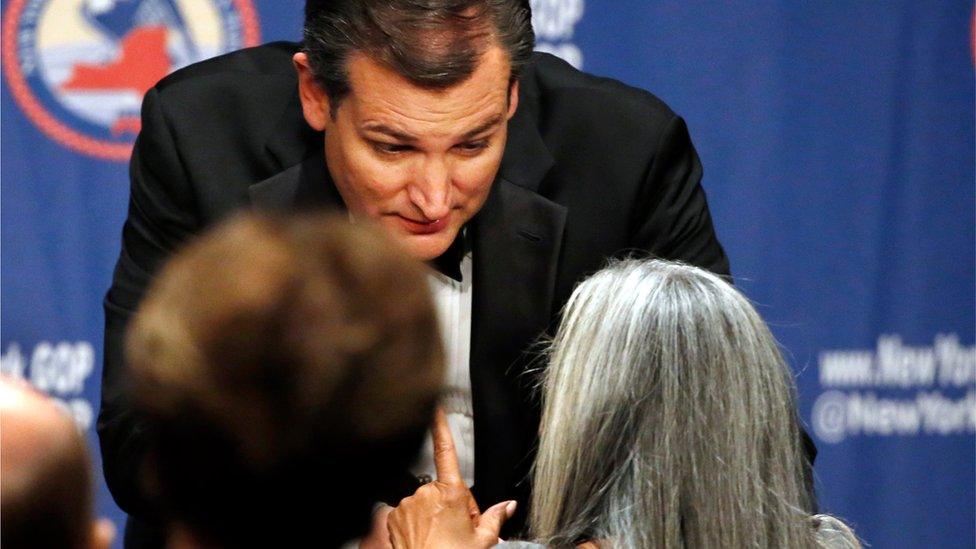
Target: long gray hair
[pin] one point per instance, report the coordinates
(668, 418)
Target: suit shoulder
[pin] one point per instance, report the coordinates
(562, 94)
(272, 59)
(244, 90)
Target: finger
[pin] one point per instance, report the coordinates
(379, 535)
(381, 526)
(473, 511)
(393, 529)
(391, 521)
(492, 520)
(445, 455)
(381, 513)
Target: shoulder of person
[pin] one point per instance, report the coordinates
(604, 106)
(222, 117)
(271, 59)
(242, 88)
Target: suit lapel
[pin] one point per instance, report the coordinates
(306, 185)
(297, 153)
(291, 140)
(526, 159)
(517, 237)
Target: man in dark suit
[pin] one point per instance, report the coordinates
(470, 150)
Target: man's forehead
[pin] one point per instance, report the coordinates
(381, 95)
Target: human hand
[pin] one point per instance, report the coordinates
(443, 513)
(379, 533)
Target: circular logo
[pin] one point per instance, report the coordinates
(79, 68)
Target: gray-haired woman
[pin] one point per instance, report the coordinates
(668, 421)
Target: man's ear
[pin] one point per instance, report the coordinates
(513, 99)
(315, 102)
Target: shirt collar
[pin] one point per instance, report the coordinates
(449, 262)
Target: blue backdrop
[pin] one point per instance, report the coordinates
(838, 144)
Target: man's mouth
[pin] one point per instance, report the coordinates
(423, 227)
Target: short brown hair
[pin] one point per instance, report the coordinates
(284, 361)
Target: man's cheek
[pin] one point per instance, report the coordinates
(369, 172)
(372, 193)
(475, 182)
(384, 179)
(478, 190)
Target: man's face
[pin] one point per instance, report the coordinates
(418, 161)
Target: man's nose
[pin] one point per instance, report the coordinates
(431, 193)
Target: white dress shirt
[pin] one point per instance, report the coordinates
(452, 300)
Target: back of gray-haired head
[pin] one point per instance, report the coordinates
(832, 533)
(668, 418)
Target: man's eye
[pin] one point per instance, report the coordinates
(390, 148)
(472, 146)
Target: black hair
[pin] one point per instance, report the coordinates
(433, 43)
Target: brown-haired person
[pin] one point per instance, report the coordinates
(287, 369)
(512, 172)
(46, 488)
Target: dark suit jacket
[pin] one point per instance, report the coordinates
(592, 169)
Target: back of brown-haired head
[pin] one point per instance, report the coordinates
(288, 366)
(46, 481)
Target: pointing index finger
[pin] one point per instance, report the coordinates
(445, 455)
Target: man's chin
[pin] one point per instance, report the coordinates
(425, 247)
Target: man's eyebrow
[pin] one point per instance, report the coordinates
(490, 123)
(379, 127)
(384, 129)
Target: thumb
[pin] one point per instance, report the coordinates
(492, 520)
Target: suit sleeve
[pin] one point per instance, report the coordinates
(671, 218)
(160, 216)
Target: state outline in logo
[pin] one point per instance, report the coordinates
(79, 74)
